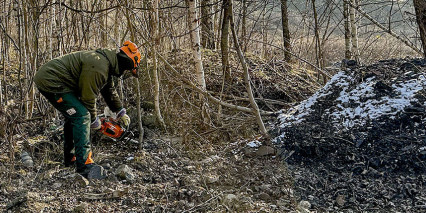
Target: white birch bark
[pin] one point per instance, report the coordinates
(354, 32)
(195, 41)
(194, 24)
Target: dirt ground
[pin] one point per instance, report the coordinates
(163, 177)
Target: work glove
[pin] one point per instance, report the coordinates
(123, 117)
(96, 124)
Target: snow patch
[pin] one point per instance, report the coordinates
(356, 104)
(254, 144)
(296, 114)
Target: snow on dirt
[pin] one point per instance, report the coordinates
(358, 144)
(369, 107)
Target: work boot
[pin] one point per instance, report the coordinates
(69, 163)
(92, 171)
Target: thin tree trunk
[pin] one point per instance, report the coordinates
(103, 25)
(420, 7)
(33, 55)
(286, 31)
(196, 53)
(224, 41)
(217, 20)
(3, 53)
(318, 49)
(195, 42)
(207, 32)
(244, 24)
(253, 103)
(264, 34)
(21, 52)
(354, 32)
(135, 80)
(348, 50)
(155, 26)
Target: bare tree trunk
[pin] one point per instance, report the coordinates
(318, 49)
(3, 59)
(264, 34)
(5, 54)
(207, 32)
(196, 53)
(33, 55)
(253, 103)
(155, 25)
(348, 50)
(286, 31)
(420, 7)
(244, 24)
(354, 32)
(224, 41)
(103, 25)
(195, 42)
(135, 80)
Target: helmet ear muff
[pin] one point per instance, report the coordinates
(135, 72)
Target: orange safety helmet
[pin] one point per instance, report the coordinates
(131, 50)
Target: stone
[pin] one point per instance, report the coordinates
(263, 196)
(212, 179)
(56, 185)
(124, 172)
(304, 206)
(83, 207)
(97, 172)
(79, 179)
(230, 199)
(249, 152)
(267, 188)
(265, 150)
(26, 160)
(106, 166)
(190, 168)
(340, 200)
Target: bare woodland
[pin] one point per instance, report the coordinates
(213, 71)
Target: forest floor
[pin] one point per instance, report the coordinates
(160, 178)
(356, 144)
(209, 171)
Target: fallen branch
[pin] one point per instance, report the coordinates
(206, 93)
(265, 100)
(18, 201)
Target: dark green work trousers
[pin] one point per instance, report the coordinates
(76, 127)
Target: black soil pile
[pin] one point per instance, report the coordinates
(359, 143)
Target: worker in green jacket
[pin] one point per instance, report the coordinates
(72, 82)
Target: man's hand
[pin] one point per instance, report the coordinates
(123, 117)
(96, 124)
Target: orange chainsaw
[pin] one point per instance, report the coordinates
(111, 128)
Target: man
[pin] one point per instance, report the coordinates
(71, 83)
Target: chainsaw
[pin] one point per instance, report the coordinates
(111, 128)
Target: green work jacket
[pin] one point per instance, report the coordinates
(85, 73)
